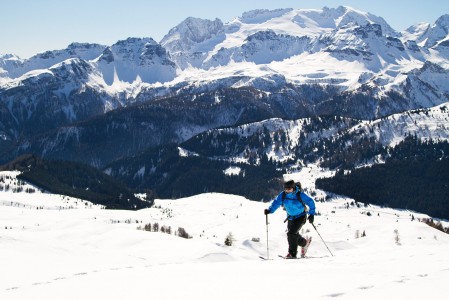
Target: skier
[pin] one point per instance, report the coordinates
(294, 201)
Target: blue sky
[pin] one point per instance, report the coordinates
(29, 27)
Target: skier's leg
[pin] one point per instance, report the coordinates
(293, 236)
(302, 241)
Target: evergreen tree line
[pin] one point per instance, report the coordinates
(415, 176)
(75, 180)
(315, 144)
(173, 176)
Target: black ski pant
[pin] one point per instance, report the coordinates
(293, 236)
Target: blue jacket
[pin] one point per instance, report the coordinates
(292, 205)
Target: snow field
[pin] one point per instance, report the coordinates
(100, 254)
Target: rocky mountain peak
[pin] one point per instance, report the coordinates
(262, 15)
(438, 32)
(190, 32)
(72, 68)
(344, 15)
(366, 30)
(8, 56)
(131, 48)
(443, 22)
(416, 33)
(107, 56)
(136, 59)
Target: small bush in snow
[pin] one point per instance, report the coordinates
(181, 232)
(396, 237)
(229, 239)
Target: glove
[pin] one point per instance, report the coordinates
(266, 211)
(311, 219)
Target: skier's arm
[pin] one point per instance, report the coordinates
(275, 204)
(309, 202)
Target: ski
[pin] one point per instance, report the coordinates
(305, 257)
(265, 258)
(281, 256)
(285, 257)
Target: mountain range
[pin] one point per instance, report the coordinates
(302, 81)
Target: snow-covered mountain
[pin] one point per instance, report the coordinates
(280, 34)
(16, 67)
(45, 99)
(136, 59)
(284, 63)
(77, 83)
(190, 41)
(272, 40)
(298, 44)
(437, 33)
(53, 248)
(349, 49)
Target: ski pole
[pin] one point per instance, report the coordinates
(322, 239)
(268, 253)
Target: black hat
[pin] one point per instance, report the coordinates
(289, 184)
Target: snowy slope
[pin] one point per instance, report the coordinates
(100, 254)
